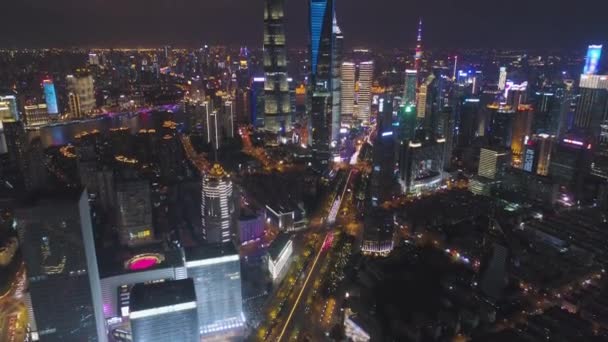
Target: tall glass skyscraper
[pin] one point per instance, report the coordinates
(216, 271)
(321, 15)
(59, 254)
(336, 89)
(277, 108)
(50, 97)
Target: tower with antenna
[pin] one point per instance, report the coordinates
(418, 55)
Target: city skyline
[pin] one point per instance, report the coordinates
(475, 23)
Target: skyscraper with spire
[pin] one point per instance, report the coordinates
(277, 106)
(418, 55)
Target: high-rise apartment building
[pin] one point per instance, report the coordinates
(216, 271)
(59, 253)
(277, 108)
(217, 206)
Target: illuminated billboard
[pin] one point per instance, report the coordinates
(594, 52)
(50, 97)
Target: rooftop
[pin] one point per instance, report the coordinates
(158, 295)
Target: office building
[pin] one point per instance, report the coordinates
(228, 120)
(257, 101)
(422, 101)
(279, 255)
(216, 271)
(522, 128)
(81, 87)
(379, 233)
(336, 86)
(493, 162)
(321, 39)
(50, 97)
(74, 104)
(592, 60)
(8, 108)
(500, 132)
(537, 154)
(364, 95)
(250, 226)
(321, 126)
(421, 164)
(120, 271)
(164, 311)
(59, 253)
(468, 124)
(35, 115)
(286, 217)
(217, 206)
(347, 101)
(406, 118)
(411, 83)
(571, 162)
(502, 78)
(134, 212)
(277, 108)
(592, 106)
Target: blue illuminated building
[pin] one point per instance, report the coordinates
(321, 14)
(594, 52)
(50, 97)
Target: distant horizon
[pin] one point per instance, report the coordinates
(517, 24)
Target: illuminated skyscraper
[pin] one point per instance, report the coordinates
(502, 78)
(418, 55)
(50, 97)
(217, 206)
(537, 155)
(594, 52)
(409, 92)
(347, 101)
(493, 162)
(63, 279)
(364, 96)
(592, 106)
(321, 15)
(422, 98)
(35, 115)
(216, 271)
(336, 87)
(82, 86)
(277, 108)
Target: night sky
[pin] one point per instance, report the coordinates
(374, 23)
